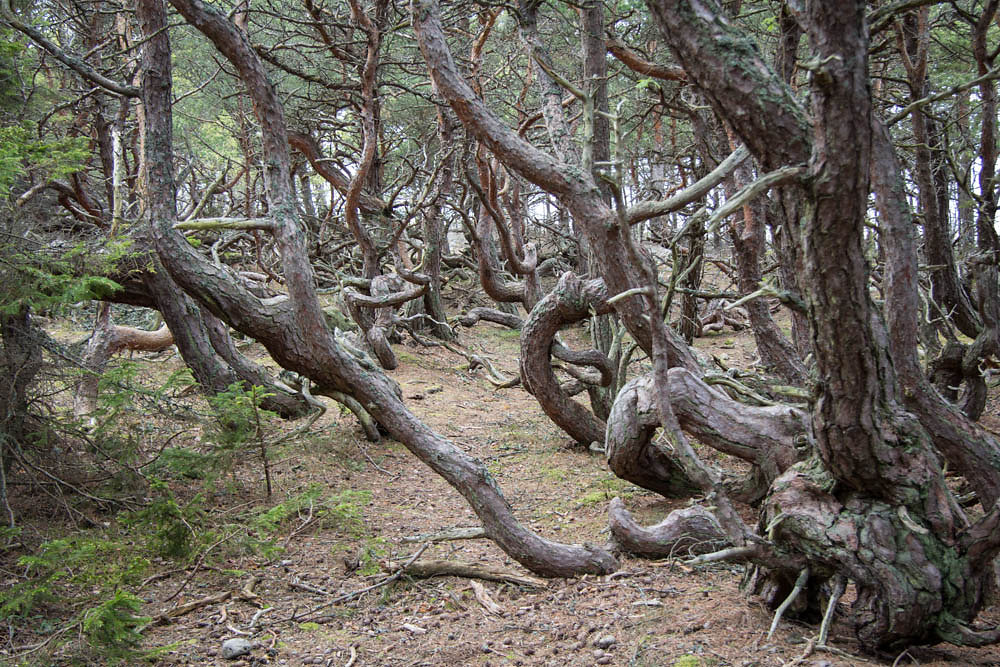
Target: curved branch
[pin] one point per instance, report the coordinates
(489, 275)
(369, 142)
(764, 436)
(305, 144)
(635, 62)
(570, 301)
(651, 209)
(75, 63)
(692, 530)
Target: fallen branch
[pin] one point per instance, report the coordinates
(246, 593)
(472, 533)
(188, 607)
(484, 599)
(441, 568)
(495, 377)
(358, 593)
(295, 582)
(730, 554)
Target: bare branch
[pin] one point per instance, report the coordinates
(206, 224)
(651, 209)
(74, 62)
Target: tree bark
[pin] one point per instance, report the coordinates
(207, 349)
(973, 451)
(434, 228)
(874, 464)
(776, 352)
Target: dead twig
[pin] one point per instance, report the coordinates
(364, 452)
(197, 565)
(471, 533)
(484, 599)
(256, 617)
(301, 585)
(246, 593)
(354, 594)
(188, 607)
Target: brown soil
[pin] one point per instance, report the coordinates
(649, 613)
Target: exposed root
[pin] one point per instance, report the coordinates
(693, 530)
(839, 585)
(800, 583)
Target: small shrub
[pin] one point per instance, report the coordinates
(239, 423)
(341, 510)
(374, 550)
(113, 628)
(80, 571)
(171, 527)
(186, 462)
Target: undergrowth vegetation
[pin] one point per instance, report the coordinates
(149, 486)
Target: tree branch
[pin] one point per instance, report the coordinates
(651, 209)
(74, 62)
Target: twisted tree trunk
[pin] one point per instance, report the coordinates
(871, 504)
(569, 302)
(295, 331)
(768, 437)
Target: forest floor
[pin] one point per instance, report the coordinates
(345, 507)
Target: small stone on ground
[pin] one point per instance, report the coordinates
(234, 648)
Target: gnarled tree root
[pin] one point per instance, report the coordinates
(913, 584)
(764, 436)
(689, 531)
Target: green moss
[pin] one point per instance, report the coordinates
(605, 490)
(555, 474)
(692, 661)
(406, 357)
